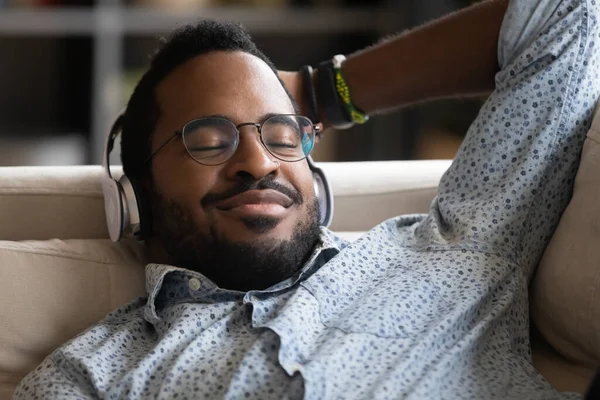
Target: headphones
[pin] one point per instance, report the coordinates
(127, 216)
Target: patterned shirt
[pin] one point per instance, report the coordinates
(421, 306)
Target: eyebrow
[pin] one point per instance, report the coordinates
(260, 120)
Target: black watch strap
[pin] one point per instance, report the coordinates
(328, 98)
(309, 93)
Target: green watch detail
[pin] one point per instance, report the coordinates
(358, 117)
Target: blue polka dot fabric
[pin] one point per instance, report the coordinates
(421, 307)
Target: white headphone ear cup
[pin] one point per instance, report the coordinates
(113, 208)
(320, 195)
(323, 193)
(131, 213)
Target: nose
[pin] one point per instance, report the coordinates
(251, 157)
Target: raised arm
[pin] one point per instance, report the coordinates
(513, 174)
(453, 56)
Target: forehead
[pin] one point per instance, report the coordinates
(236, 84)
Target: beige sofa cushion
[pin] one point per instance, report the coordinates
(395, 187)
(566, 290)
(51, 290)
(52, 202)
(564, 375)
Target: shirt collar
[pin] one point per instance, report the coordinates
(158, 274)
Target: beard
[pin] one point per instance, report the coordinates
(234, 265)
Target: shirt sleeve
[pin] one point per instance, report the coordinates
(514, 172)
(523, 22)
(47, 381)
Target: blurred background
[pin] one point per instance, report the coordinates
(68, 66)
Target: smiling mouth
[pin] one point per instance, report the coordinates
(256, 202)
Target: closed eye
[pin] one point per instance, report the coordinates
(208, 148)
(283, 145)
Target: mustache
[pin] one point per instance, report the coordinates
(251, 184)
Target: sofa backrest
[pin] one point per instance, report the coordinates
(565, 295)
(38, 203)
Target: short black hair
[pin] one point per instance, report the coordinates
(185, 43)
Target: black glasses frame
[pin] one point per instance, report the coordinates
(258, 126)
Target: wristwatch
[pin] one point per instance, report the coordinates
(327, 95)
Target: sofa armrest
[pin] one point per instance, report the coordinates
(367, 193)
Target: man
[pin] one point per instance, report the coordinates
(248, 298)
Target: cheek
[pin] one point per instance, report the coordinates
(301, 179)
(308, 191)
(185, 184)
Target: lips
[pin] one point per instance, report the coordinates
(262, 197)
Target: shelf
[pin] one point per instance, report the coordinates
(65, 149)
(150, 21)
(109, 25)
(46, 22)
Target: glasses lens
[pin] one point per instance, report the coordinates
(210, 141)
(288, 137)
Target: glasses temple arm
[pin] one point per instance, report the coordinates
(161, 146)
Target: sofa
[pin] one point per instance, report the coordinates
(59, 272)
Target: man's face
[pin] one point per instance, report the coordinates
(247, 223)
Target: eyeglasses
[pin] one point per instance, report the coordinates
(214, 140)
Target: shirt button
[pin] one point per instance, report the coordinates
(194, 284)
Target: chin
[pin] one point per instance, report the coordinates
(256, 228)
(260, 224)
(239, 252)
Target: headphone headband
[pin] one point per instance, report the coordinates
(115, 130)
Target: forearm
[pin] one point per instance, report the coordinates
(453, 56)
